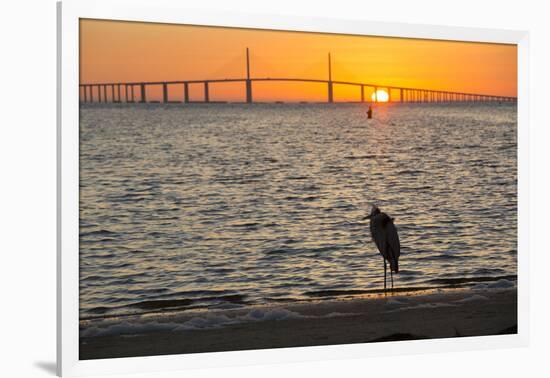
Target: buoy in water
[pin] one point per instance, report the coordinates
(369, 112)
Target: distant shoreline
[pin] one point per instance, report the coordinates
(224, 102)
(401, 316)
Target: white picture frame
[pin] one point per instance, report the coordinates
(171, 11)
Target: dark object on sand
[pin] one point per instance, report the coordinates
(384, 234)
(400, 337)
(369, 112)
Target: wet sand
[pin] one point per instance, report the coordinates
(402, 316)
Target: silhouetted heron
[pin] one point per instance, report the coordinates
(384, 234)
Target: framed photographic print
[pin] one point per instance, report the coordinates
(285, 188)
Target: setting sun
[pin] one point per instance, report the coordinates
(380, 96)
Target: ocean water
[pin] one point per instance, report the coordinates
(228, 205)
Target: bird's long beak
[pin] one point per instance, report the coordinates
(367, 217)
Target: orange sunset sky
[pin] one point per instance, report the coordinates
(116, 51)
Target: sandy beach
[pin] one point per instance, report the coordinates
(375, 318)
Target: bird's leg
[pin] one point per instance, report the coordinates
(391, 275)
(385, 276)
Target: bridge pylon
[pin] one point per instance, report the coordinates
(248, 81)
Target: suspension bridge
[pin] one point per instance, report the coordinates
(136, 92)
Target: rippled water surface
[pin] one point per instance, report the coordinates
(226, 204)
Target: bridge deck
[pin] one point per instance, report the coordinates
(406, 94)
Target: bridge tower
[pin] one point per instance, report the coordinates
(330, 95)
(248, 81)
